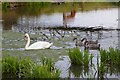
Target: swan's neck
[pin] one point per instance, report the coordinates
(28, 43)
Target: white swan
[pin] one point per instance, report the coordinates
(36, 45)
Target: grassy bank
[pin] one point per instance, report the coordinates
(25, 68)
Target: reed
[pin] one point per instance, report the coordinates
(44, 72)
(104, 56)
(26, 68)
(91, 57)
(102, 69)
(114, 56)
(78, 57)
(86, 58)
(111, 57)
(47, 62)
(46, 69)
(10, 65)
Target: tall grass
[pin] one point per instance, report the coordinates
(43, 72)
(46, 69)
(104, 56)
(26, 68)
(80, 58)
(76, 56)
(10, 66)
(47, 62)
(111, 57)
(110, 61)
(102, 69)
(86, 58)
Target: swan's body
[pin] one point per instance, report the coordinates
(36, 45)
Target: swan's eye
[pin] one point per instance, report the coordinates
(25, 37)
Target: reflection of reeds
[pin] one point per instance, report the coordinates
(26, 68)
(76, 70)
(80, 58)
(101, 70)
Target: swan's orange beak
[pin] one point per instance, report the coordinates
(25, 37)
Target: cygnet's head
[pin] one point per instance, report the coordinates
(84, 39)
(74, 39)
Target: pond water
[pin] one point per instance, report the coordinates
(50, 24)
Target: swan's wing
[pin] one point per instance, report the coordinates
(40, 45)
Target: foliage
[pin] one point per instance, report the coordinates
(110, 61)
(5, 5)
(104, 56)
(26, 68)
(47, 62)
(43, 72)
(46, 69)
(86, 58)
(10, 65)
(80, 58)
(29, 6)
(111, 57)
(76, 56)
(102, 69)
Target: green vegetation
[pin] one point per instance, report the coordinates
(5, 5)
(109, 62)
(76, 70)
(80, 58)
(102, 69)
(26, 68)
(31, 8)
(49, 7)
(76, 56)
(111, 57)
